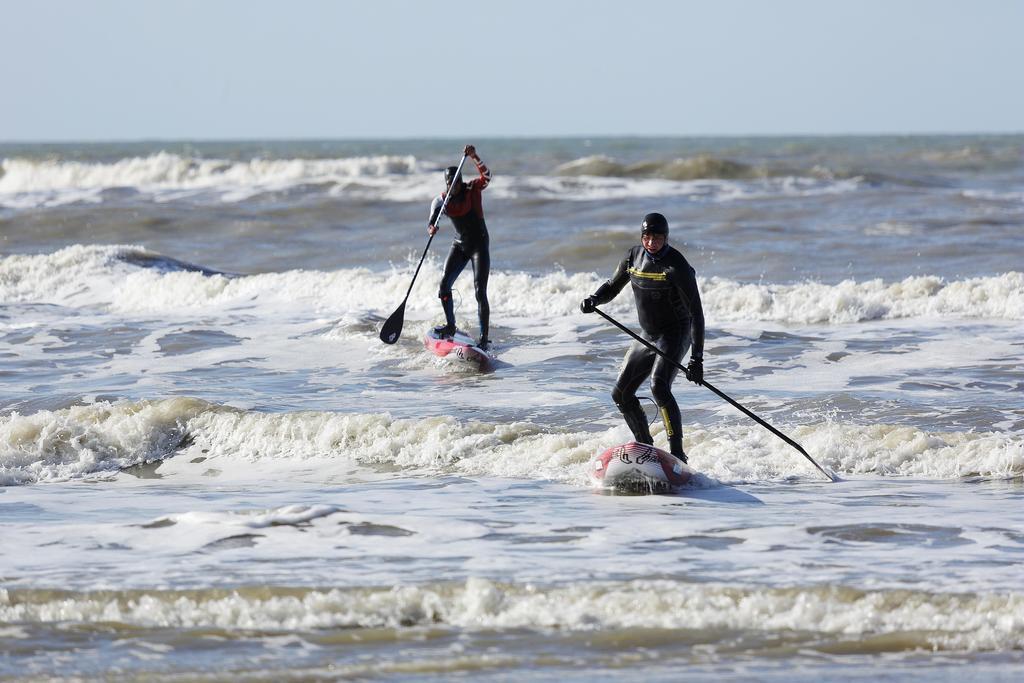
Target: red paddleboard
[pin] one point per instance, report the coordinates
(639, 467)
(460, 347)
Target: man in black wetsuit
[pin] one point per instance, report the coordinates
(465, 209)
(668, 306)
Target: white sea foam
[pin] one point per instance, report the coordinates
(104, 437)
(100, 276)
(289, 515)
(994, 195)
(895, 228)
(920, 619)
(1000, 296)
(87, 440)
(67, 277)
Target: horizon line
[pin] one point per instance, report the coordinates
(445, 138)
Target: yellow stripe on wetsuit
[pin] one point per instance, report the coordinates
(668, 422)
(661, 277)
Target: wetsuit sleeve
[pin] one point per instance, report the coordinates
(685, 280)
(435, 209)
(485, 176)
(611, 288)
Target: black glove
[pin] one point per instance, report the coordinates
(588, 305)
(695, 370)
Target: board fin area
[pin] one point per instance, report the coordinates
(640, 468)
(458, 347)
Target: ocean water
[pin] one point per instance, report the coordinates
(212, 469)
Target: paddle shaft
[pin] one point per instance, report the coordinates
(732, 402)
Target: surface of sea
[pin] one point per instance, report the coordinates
(212, 469)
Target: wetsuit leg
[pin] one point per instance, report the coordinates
(664, 372)
(635, 369)
(482, 271)
(453, 267)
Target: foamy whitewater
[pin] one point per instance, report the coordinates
(212, 469)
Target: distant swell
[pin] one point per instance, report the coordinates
(168, 177)
(693, 168)
(707, 167)
(103, 438)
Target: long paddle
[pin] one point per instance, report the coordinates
(392, 328)
(749, 414)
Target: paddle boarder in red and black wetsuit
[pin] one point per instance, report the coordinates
(668, 306)
(472, 244)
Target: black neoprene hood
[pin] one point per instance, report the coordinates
(654, 224)
(450, 173)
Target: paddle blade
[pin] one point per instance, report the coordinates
(392, 329)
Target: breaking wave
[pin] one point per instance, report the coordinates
(130, 279)
(163, 174)
(1000, 296)
(104, 438)
(821, 618)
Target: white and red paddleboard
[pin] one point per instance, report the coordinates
(639, 467)
(459, 347)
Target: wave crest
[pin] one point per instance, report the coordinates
(105, 437)
(692, 168)
(131, 279)
(165, 170)
(92, 439)
(849, 301)
(816, 617)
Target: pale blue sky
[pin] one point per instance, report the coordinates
(207, 69)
